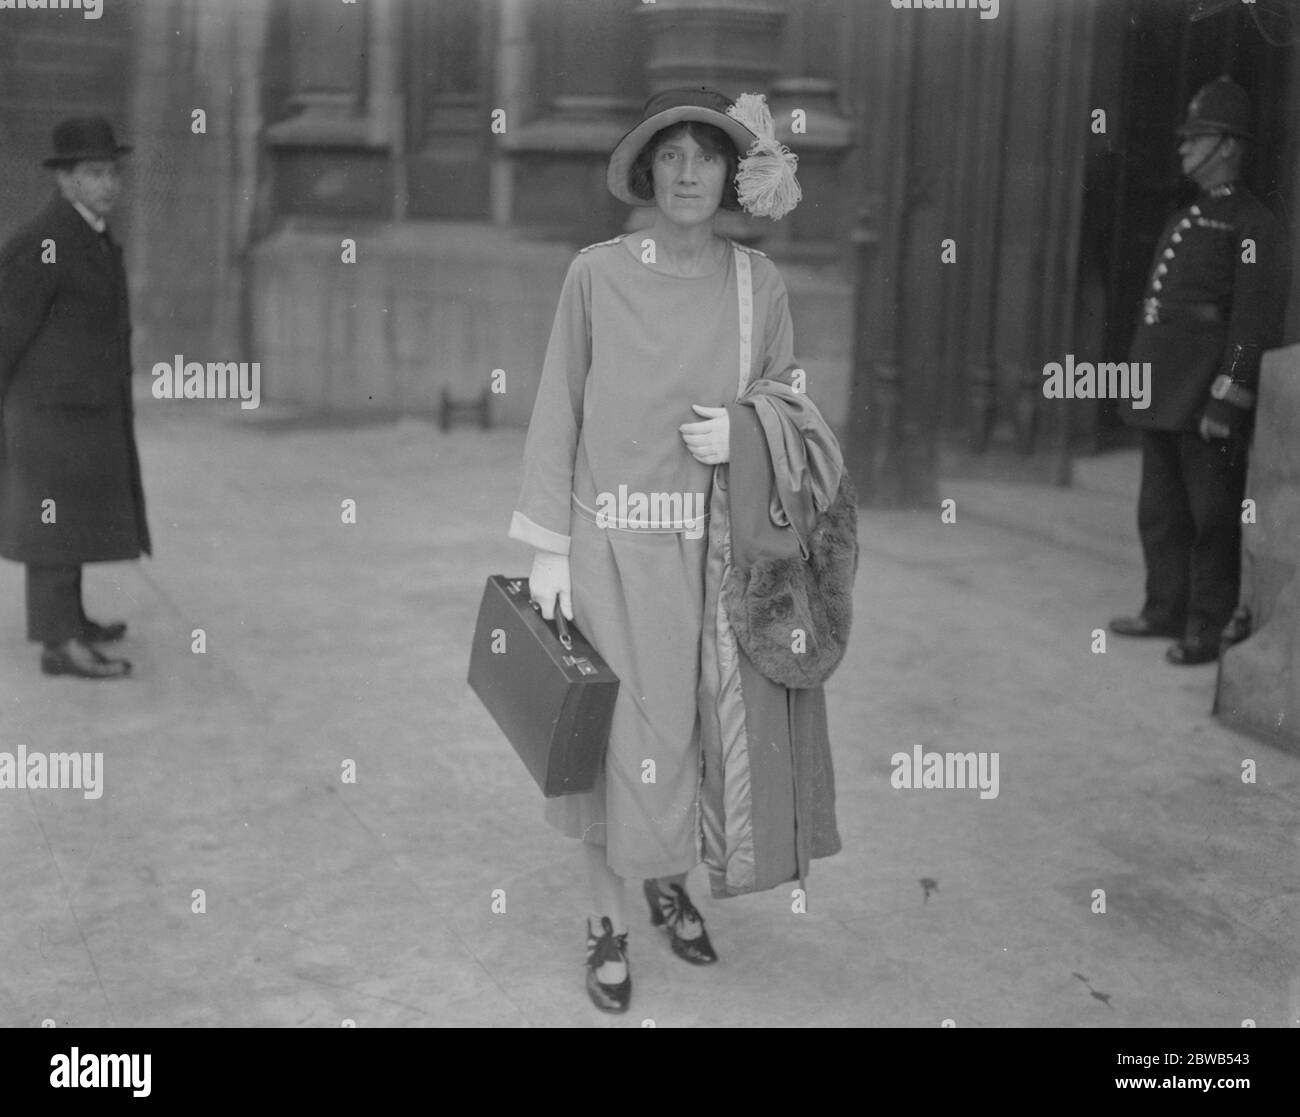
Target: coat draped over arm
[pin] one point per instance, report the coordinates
(768, 791)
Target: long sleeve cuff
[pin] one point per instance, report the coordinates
(1220, 411)
(1229, 391)
(523, 529)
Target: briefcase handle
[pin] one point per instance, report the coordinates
(561, 625)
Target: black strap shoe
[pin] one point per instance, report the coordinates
(73, 657)
(94, 633)
(1141, 626)
(1189, 652)
(673, 911)
(608, 947)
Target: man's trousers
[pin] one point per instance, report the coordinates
(54, 613)
(1189, 517)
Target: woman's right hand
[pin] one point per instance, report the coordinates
(549, 581)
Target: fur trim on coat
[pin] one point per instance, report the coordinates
(789, 592)
(773, 601)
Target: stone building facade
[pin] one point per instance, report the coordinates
(459, 145)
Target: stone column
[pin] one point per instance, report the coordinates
(988, 69)
(515, 58)
(813, 229)
(194, 194)
(733, 45)
(1259, 680)
(881, 92)
(585, 85)
(1046, 138)
(339, 153)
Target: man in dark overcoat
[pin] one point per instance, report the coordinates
(1215, 300)
(70, 490)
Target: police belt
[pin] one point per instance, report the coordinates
(1156, 310)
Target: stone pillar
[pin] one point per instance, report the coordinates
(813, 229)
(585, 85)
(987, 67)
(732, 45)
(1054, 56)
(1259, 679)
(881, 92)
(1292, 159)
(339, 152)
(194, 194)
(515, 58)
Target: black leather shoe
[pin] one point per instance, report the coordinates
(94, 633)
(673, 911)
(1188, 653)
(609, 947)
(77, 658)
(1140, 626)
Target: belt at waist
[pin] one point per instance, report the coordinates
(1156, 310)
(618, 520)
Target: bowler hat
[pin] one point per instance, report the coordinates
(1222, 106)
(672, 106)
(83, 138)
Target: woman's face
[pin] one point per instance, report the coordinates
(688, 180)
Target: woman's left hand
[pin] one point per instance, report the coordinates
(708, 441)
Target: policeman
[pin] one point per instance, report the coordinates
(1214, 302)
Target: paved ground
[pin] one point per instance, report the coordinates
(371, 901)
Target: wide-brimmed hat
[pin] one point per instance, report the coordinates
(1221, 107)
(765, 181)
(672, 106)
(83, 138)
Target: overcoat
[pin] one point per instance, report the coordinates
(66, 412)
(767, 796)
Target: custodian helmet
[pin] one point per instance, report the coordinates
(1221, 106)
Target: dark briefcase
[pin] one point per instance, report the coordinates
(548, 690)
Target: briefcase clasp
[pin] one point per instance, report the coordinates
(582, 663)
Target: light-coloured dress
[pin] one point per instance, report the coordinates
(630, 351)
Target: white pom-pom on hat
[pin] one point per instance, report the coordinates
(765, 182)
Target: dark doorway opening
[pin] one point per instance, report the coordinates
(1133, 181)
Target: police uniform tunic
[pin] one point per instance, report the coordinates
(1215, 300)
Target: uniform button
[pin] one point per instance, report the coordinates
(1156, 285)
(1162, 269)
(1185, 223)
(1177, 238)
(1169, 253)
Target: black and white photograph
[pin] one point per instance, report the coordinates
(730, 514)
